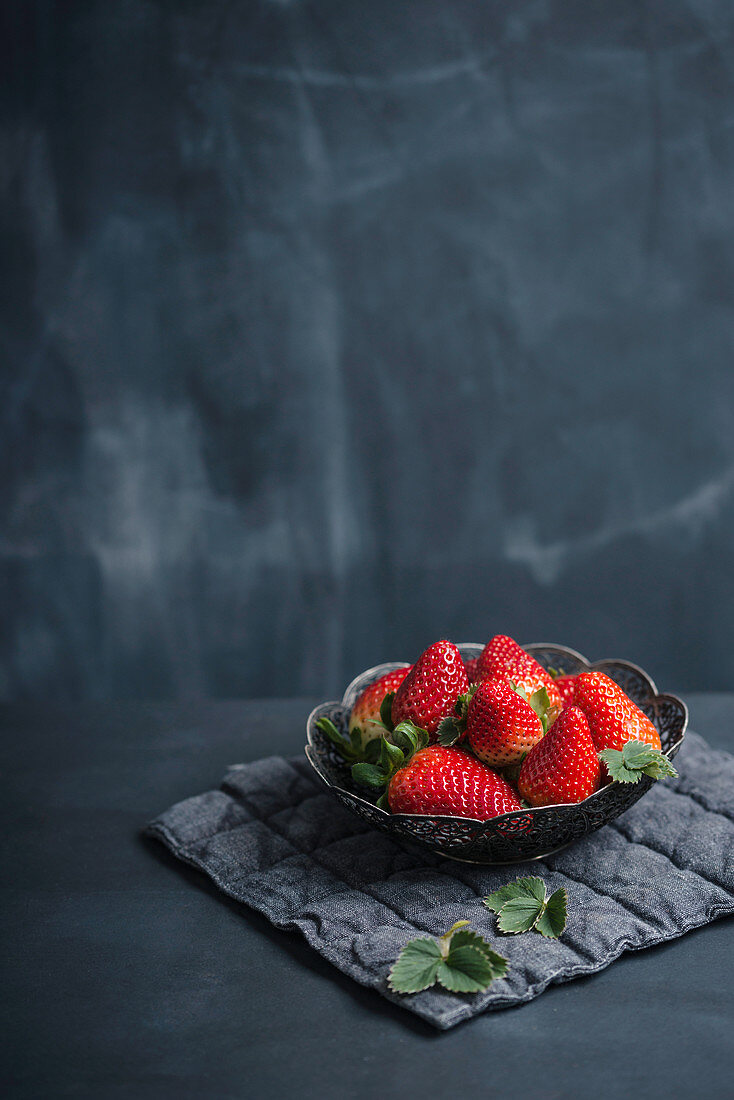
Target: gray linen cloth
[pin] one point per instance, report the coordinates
(275, 839)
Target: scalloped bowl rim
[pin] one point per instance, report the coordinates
(371, 674)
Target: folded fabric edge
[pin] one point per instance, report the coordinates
(455, 1013)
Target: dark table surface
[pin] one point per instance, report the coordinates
(127, 974)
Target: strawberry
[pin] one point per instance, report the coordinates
(612, 716)
(501, 726)
(564, 766)
(503, 658)
(566, 686)
(471, 668)
(440, 780)
(365, 714)
(430, 690)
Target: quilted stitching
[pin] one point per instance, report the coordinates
(272, 839)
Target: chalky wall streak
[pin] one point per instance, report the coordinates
(329, 329)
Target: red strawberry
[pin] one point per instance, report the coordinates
(471, 668)
(503, 658)
(564, 766)
(438, 780)
(366, 711)
(566, 686)
(501, 726)
(430, 690)
(612, 716)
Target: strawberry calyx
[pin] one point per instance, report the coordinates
(541, 704)
(386, 712)
(635, 759)
(453, 727)
(351, 747)
(406, 740)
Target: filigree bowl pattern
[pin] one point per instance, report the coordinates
(523, 834)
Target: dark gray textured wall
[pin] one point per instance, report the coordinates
(333, 328)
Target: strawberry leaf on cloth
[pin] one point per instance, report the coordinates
(635, 759)
(461, 961)
(519, 915)
(467, 938)
(523, 905)
(552, 921)
(466, 970)
(532, 887)
(416, 967)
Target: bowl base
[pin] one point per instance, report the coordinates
(501, 862)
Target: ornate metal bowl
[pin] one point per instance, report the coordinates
(522, 834)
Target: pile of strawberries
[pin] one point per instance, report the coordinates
(472, 739)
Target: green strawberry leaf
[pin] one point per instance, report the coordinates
(651, 761)
(391, 757)
(637, 754)
(372, 750)
(452, 727)
(635, 759)
(534, 886)
(552, 921)
(522, 905)
(539, 701)
(468, 938)
(328, 728)
(450, 730)
(369, 775)
(416, 967)
(530, 887)
(461, 706)
(541, 704)
(660, 769)
(462, 961)
(387, 758)
(409, 738)
(386, 710)
(519, 915)
(465, 970)
(554, 673)
(349, 748)
(618, 769)
(500, 897)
